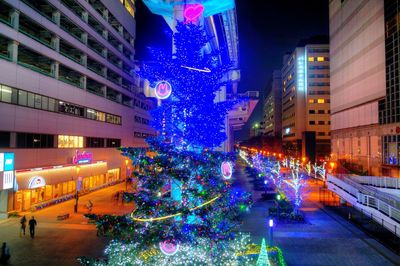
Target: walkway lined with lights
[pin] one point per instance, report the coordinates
(325, 238)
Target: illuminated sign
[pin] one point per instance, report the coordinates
(8, 179)
(1, 162)
(193, 12)
(163, 90)
(82, 157)
(169, 248)
(226, 170)
(8, 161)
(287, 130)
(300, 73)
(36, 182)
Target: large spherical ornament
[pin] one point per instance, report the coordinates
(169, 247)
(226, 170)
(163, 90)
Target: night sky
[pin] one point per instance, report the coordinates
(267, 30)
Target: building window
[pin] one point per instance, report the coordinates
(320, 59)
(70, 141)
(321, 133)
(321, 101)
(321, 122)
(113, 143)
(310, 59)
(94, 142)
(321, 112)
(310, 100)
(312, 122)
(5, 139)
(32, 140)
(311, 111)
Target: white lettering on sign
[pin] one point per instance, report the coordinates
(8, 179)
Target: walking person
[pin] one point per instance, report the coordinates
(5, 254)
(32, 225)
(23, 225)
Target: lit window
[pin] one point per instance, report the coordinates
(321, 100)
(70, 141)
(310, 59)
(311, 101)
(320, 59)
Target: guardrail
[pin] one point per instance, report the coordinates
(378, 181)
(385, 207)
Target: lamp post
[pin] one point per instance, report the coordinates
(126, 176)
(255, 127)
(271, 228)
(77, 169)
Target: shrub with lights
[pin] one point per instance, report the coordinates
(186, 212)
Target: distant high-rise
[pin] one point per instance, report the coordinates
(365, 102)
(305, 101)
(272, 113)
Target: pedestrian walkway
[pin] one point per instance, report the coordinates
(61, 242)
(325, 238)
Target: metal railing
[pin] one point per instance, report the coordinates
(388, 205)
(378, 181)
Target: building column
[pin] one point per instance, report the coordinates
(104, 88)
(105, 34)
(104, 53)
(56, 16)
(55, 43)
(14, 14)
(84, 60)
(84, 38)
(85, 16)
(55, 69)
(13, 51)
(105, 14)
(104, 71)
(83, 80)
(4, 204)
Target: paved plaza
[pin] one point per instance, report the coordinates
(61, 242)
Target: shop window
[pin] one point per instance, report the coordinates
(70, 141)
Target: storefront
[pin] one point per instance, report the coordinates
(50, 185)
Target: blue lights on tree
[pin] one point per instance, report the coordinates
(190, 118)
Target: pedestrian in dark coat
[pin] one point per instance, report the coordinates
(5, 254)
(23, 225)
(32, 225)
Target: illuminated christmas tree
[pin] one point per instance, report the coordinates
(263, 259)
(185, 198)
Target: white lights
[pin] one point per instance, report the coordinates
(301, 70)
(271, 223)
(287, 130)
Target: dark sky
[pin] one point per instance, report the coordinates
(267, 29)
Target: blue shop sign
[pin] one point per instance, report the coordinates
(8, 161)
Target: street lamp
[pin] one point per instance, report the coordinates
(271, 228)
(126, 177)
(77, 169)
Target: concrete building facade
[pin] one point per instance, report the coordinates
(364, 85)
(272, 109)
(306, 102)
(68, 97)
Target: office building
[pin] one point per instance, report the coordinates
(306, 101)
(272, 109)
(69, 97)
(364, 85)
